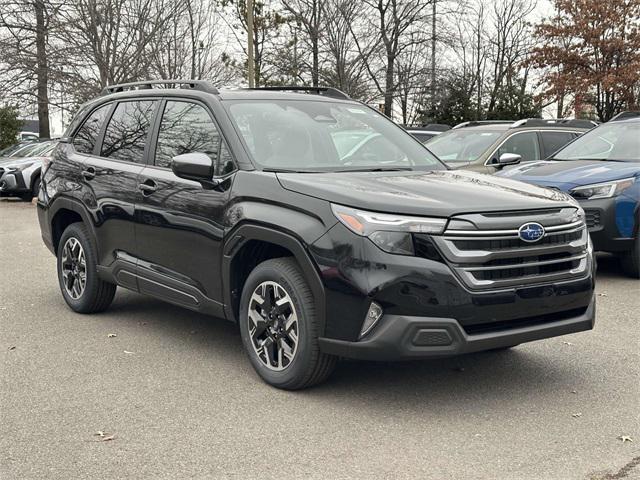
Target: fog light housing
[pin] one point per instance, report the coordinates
(373, 315)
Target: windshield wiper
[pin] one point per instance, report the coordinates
(287, 170)
(588, 159)
(377, 169)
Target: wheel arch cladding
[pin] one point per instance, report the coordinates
(250, 245)
(64, 212)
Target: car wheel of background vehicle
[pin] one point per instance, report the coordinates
(631, 260)
(80, 285)
(279, 327)
(35, 187)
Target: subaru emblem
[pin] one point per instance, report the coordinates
(531, 232)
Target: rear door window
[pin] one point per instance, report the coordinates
(85, 139)
(524, 144)
(554, 141)
(128, 130)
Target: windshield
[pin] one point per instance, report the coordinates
(309, 136)
(611, 141)
(25, 151)
(462, 145)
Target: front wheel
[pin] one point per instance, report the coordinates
(35, 190)
(279, 327)
(81, 287)
(631, 260)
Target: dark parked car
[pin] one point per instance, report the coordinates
(601, 170)
(241, 204)
(489, 146)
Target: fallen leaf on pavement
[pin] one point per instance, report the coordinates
(111, 335)
(625, 438)
(576, 415)
(12, 347)
(574, 391)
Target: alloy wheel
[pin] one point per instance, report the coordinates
(273, 325)
(74, 268)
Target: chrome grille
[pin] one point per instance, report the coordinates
(491, 258)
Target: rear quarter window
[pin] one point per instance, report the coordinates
(85, 138)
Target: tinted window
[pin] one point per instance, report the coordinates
(127, 131)
(554, 141)
(523, 144)
(85, 139)
(186, 128)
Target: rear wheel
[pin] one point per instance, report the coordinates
(80, 285)
(631, 260)
(279, 327)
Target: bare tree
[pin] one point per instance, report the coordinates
(388, 28)
(345, 68)
(110, 39)
(189, 46)
(25, 27)
(268, 20)
(309, 15)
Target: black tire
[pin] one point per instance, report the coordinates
(309, 365)
(97, 294)
(35, 190)
(631, 260)
(35, 187)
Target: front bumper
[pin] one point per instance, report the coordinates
(399, 337)
(12, 183)
(612, 223)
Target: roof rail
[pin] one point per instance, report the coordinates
(201, 85)
(554, 122)
(475, 123)
(432, 127)
(625, 115)
(325, 91)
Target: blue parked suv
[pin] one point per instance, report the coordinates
(600, 169)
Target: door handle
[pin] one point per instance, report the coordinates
(148, 187)
(89, 173)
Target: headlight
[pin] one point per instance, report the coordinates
(392, 233)
(602, 190)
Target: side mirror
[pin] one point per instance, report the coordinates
(509, 159)
(193, 166)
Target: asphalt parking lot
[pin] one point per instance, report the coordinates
(171, 395)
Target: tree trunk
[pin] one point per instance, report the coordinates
(42, 71)
(315, 74)
(389, 87)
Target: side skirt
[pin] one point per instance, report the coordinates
(127, 273)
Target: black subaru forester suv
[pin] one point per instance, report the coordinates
(319, 226)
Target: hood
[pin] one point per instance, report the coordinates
(569, 174)
(18, 161)
(438, 193)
